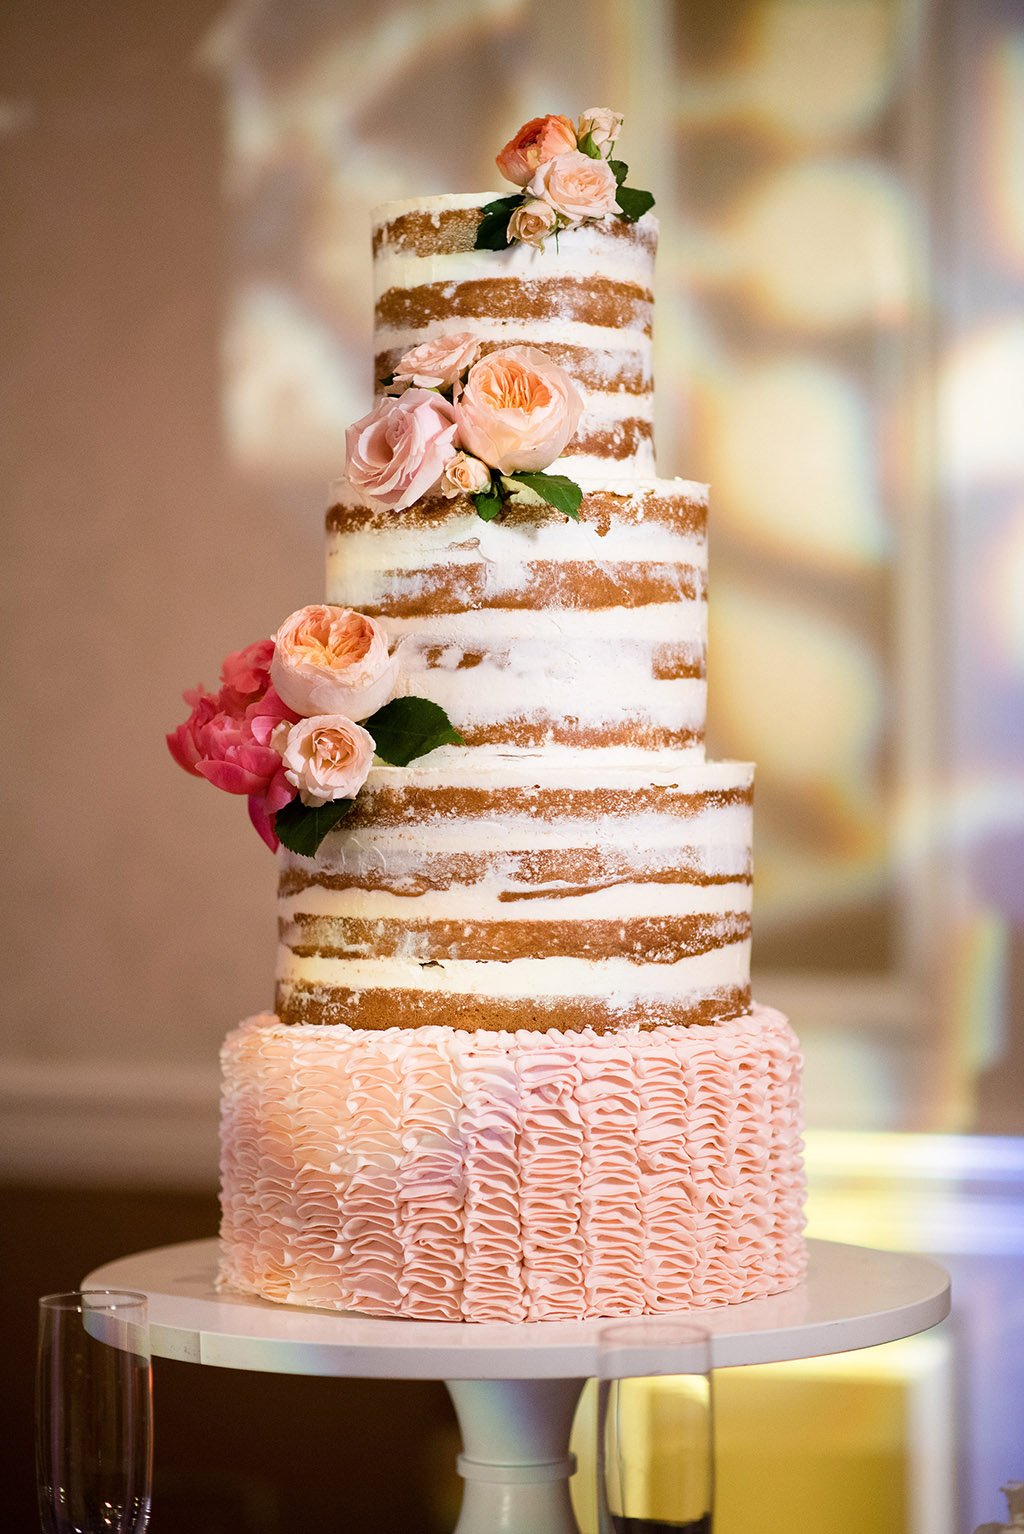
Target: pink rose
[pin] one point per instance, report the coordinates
(440, 363)
(247, 672)
(538, 140)
(331, 660)
(603, 125)
(532, 221)
(576, 186)
(464, 476)
(397, 452)
(518, 409)
(327, 757)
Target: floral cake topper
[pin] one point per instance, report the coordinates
(298, 720)
(465, 424)
(568, 177)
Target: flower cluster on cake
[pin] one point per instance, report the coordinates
(514, 1070)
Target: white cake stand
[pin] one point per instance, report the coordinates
(516, 1387)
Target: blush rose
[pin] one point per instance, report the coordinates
(518, 409)
(465, 476)
(576, 186)
(603, 125)
(532, 222)
(438, 363)
(327, 757)
(331, 660)
(537, 141)
(398, 452)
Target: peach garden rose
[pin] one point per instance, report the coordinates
(397, 452)
(331, 660)
(537, 141)
(327, 757)
(576, 186)
(518, 409)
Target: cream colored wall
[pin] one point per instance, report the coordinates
(139, 906)
(139, 913)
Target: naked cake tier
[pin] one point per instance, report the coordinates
(515, 1072)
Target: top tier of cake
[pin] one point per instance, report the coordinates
(539, 636)
(586, 298)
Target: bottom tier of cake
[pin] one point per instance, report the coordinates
(476, 1176)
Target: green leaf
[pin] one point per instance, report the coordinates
(550, 489)
(492, 232)
(504, 204)
(588, 147)
(619, 169)
(488, 503)
(409, 727)
(633, 203)
(302, 827)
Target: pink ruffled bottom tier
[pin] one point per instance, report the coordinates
(448, 1175)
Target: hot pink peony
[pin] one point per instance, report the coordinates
(186, 743)
(247, 672)
(537, 141)
(576, 186)
(327, 757)
(439, 363)
(219, 743)
(331, 660)
(398, 452)
(518, 409)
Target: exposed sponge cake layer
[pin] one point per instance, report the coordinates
(605, 899)
(537, 632)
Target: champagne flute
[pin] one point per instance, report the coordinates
(655, 1428)
(94, 1420)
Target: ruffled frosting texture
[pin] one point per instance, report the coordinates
(475, 1176)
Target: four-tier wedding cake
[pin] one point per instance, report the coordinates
(515, 1072)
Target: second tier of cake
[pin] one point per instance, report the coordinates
(535, 633)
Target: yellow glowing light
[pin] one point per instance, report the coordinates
(861, 1443)
(980, 393)
(848, 865)
(800, 692)
(791, 463)
(1004, 149)
(829, 244)
(816, 71)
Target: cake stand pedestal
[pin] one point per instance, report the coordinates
(516, 1387)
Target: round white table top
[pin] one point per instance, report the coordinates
(853, 1297)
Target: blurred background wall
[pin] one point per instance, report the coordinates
(840, 351)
